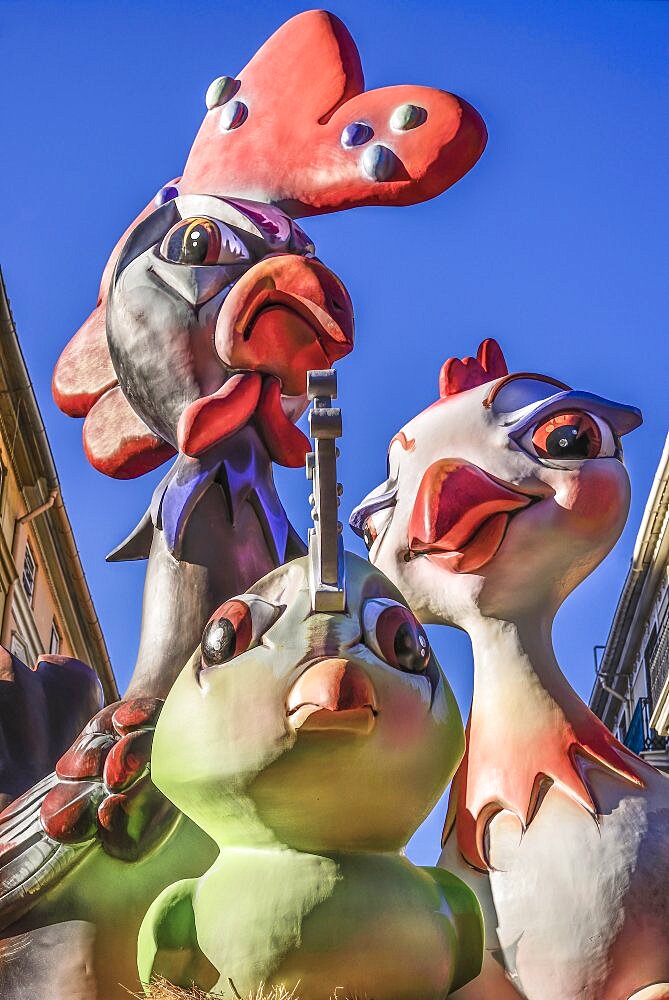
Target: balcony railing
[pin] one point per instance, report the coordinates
(640, 737)
(658, 668)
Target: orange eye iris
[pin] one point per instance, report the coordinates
(568, 436)
(194, 241)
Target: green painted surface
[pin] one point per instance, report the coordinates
(311, 884)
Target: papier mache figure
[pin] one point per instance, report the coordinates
(213, 307)
(309, 736)
(211, 310)
(501, 498)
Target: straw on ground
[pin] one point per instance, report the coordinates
(161, 989)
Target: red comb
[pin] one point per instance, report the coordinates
(458, 376)
(305, 136)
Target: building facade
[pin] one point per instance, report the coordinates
(631, 689)
(45, 603)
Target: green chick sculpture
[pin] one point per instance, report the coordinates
(309, 736)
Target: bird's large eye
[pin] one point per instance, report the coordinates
(202, 241)
(391, 631)
(237, 626)
(574, 435)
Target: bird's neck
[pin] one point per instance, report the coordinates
(511, 652)
(528, 729)
(230, 529)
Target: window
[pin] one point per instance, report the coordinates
(29, 572)
(651, 645)
(664, 606)
(54, 642)
(17, 647)
(622, 728)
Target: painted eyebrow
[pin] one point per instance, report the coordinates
(408, 444)
(488, 401)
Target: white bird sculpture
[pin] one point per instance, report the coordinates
(501, 498)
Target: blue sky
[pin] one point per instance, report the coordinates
(555, 243)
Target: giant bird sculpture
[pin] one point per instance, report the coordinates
(310, 735)
(501, 498)
(217, 309)
(211, 309)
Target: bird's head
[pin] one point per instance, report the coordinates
(216, 311)
(502, 496)
(324, 731)
(214, 291)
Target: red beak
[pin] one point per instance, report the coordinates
(283, 317)
(462, 511)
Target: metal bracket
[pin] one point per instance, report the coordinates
(326, 545)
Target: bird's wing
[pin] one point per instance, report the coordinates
(100, 797)
(30, 861)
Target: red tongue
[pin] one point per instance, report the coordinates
(453, 501)
(213, 418)
(285, 442)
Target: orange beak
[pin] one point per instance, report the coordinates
(332, 695)
(462, 512)
(285, 316)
